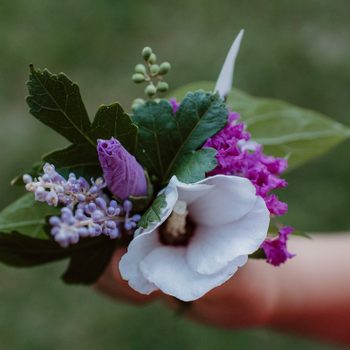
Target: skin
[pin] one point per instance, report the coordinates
(309, 295)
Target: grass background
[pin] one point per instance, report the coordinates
(297, 51)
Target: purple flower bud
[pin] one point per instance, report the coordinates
(27, 179)
(123, 174)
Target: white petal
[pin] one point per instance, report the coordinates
(167, 268)
(190, 192)
(212, 248)
(129, 269)
(229, 199)
(224, 82)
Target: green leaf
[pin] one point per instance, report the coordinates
(154, 211)
(88, 258)
(79, 159)
(26, 216)
(193, 166)
(55, 100)
(158, 136)
(165, 139)
(23, 251)
(286, 130)
(283, 129)
(87, 265)
(113, 121)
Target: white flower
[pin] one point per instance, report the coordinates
(229, 221)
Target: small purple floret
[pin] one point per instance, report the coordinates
(123, 174)
(174, 104)
(276, 248)
(86, 212)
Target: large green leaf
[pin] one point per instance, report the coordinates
(26, 216)
(193, 166)
(158, 136)
(283, 129)
(24, 251)
(111, 121)
(55, 100)
(88, 258)
(165, 138)
(286, 130)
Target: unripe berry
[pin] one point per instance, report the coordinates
(162, 86)
(164, 68)
(154, 69)
(146, 53)
(140, 68)
(138, 78)
(152, 59)
(150, 90)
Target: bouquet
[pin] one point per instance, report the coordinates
(186, 181)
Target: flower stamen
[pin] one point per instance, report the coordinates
(178, 229)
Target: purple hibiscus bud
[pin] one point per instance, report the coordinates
(123, 174)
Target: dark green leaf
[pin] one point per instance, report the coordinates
(23, 251)
(158, 137)
(165, 139)
(283, 129)
(26, 216)
(193, 166)
(55, 100)
(88, 258)
(154, 211)
(113, 121)
(80, 159)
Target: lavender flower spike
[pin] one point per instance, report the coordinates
(123, 174)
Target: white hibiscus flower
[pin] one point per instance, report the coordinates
(206, 232)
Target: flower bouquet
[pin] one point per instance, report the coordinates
(186, 182)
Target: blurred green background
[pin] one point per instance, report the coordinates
(297, 51)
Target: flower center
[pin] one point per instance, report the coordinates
(178, 229)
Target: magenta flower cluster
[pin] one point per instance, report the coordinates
(238, 155)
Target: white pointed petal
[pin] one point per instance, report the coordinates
(224, 82)
(229, 199)
(166, 267)
(212, 248)
(139, 247)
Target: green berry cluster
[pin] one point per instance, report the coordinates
(152, 74)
